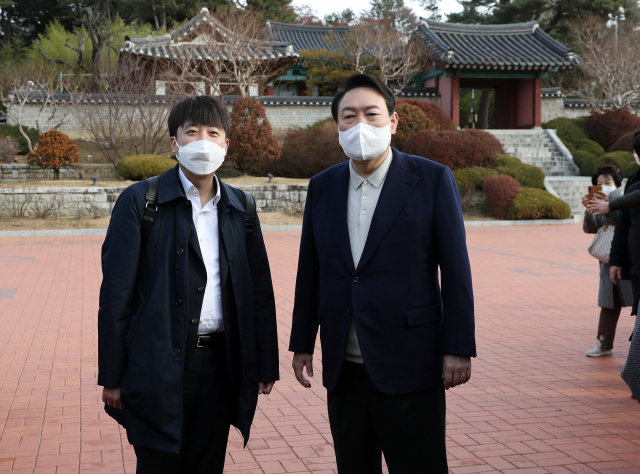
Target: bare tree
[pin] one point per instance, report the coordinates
(610, 81)
(129, 118)
(29, 84)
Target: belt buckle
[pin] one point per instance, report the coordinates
(204, 339)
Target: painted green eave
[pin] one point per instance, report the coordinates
(496, 74)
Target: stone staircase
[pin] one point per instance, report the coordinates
(540, 148)
(570, 189)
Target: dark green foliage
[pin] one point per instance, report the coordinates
(592, 147)
(617, 158)
(570, 131)
(629, 169)
(531, 203)
(277, 10)
(139, 167)
(587, 162)
(471, 178)
(527, 175)
(14, 132)
(321, 123)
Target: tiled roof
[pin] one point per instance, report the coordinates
(184, 41)
(307, 37)
(519, 46)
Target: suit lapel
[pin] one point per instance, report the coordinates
(396, 189)
(337, 192)
(224, 261)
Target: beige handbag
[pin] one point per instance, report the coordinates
(601, 245)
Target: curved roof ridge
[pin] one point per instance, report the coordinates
(309, 28)
(523, 28)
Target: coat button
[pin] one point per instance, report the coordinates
(176, 352)
(356, 279)
(195, 321)
(347, 313)
(187, 204)
(201, 289)
(180, 252)
(178, 302)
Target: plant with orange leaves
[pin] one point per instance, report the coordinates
(55, 149)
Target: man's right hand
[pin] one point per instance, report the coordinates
(300, 360)
(111, 396)
(615, 274)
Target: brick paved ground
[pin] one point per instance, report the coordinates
(535, 403)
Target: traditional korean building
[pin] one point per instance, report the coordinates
(197, 45)
(510, 59)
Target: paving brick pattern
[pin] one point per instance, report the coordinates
(535, 403)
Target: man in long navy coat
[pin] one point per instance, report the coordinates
(376, 230)
(187, 324)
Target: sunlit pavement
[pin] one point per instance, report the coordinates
(535, 403)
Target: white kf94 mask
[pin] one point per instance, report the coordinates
(365, 142)
(201, 157)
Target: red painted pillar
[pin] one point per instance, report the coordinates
(449, 88)
(269, 90)
(537, 102)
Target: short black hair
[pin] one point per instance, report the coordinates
(636, 143)
(607, 170)
(201, 110)
(636, 133)
(363, 80)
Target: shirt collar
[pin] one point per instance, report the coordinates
(378, 176)
(188, 185)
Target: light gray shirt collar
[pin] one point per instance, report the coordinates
(378, 176)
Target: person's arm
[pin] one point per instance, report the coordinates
(305, 322)
(264, 311)
(456, 286)
(120, 256)
(630, 372)
(628, 201)
(590, 224)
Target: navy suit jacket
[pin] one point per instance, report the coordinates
(404, 320)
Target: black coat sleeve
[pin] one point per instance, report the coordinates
(120, 257)
(618, 255)
(304, 327)
(264, 308)
(627, 201)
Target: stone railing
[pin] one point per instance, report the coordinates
(20, 173)
(96, 201)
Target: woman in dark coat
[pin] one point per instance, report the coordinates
(611, 298)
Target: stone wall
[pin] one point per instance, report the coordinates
(20, 173)
(90, 201)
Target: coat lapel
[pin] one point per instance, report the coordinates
(193, 241)
(396, 189)
(337, 192)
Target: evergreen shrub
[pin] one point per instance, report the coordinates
(139, 167)
(527, 175)
(500, 192)
(14, 132)
(471, 178)
(531, 203)
(569, 131)
(586, 162)
(411, 120)
(607, 128)
(629, 169)
(617, 158)
(589, 145)
(433, 113)
(624, 143)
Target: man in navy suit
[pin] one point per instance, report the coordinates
(376, 230)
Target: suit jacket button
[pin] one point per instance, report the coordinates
(176, 352)
(201, 289)
(178, 302)
(195, 321)
(347, 313)
(180, 252)
(356, 279)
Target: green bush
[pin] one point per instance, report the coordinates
(629, 169)
(570, 131)
(531, 203)
(527, 175)
(589, 145)
(471, 178)
(617, 158)
(139, 167)
(587, 162)
(14, 132)
(320, 123)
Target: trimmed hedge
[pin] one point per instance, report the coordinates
(607, 128)
(433, 112)
(617, 158)
(570, 131)
(457, 149)
(471, 178)
(629, 169)
(587, 162)
(139, 167)
(527, 175)
(500, 192)
(531, 203)
(624, 143)
(592, 147)
(14, 132)
(411, 120)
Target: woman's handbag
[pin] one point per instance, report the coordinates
(601, 245)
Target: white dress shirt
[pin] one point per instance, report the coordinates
(205, 220)
(361, 205)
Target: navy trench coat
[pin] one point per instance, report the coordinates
(142, 321)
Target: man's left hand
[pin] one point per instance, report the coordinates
(456, 370)
(265, 387)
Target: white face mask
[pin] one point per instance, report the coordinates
(635, 155)
(201, 157)
(365, 142)
(608, 190)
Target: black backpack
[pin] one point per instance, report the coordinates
(151, 207)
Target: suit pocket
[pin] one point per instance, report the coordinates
(426, 314)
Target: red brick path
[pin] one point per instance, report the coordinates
(535, 403)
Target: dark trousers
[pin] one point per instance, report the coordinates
(365, 422)
(205, 428)
(608, 322)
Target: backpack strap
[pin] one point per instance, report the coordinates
(150, 206)
(250, 215)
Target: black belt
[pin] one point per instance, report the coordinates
(210, 340)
